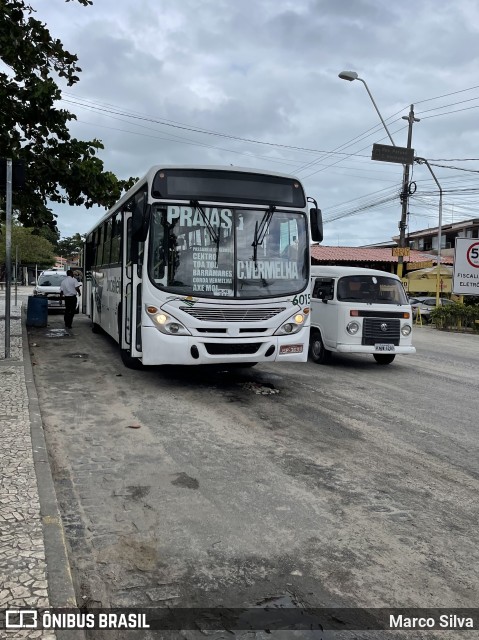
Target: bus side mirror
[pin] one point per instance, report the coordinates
(140, 221)
(316, 223)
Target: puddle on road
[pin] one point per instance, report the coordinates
(186, 481)
(264, 389)
(57, 333)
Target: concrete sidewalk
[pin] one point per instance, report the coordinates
(34, 569)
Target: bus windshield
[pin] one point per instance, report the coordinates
(228, 252)
(371, 289)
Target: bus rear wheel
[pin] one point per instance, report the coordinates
(384, 358)
(317, 350)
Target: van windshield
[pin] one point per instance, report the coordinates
(51, 280)
(371, 289)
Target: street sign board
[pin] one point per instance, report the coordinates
(400, 251)
(389, 153)
(466, 267)
(412, 266)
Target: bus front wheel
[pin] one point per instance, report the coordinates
(129, 361)
(317, 350)
(384, 358)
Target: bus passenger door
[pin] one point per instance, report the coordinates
(124, 312)
(134, 233)
(129, 315)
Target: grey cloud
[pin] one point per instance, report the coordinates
(267, 69)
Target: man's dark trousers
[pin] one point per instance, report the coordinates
(70, 308)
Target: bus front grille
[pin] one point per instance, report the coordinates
(381, 330)
(234, 314)
(231, 349)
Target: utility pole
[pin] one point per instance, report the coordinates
(8, 254)
(405, 193)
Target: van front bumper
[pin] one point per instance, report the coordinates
(359, 348)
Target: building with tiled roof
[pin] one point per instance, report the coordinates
(426, 239)
(373, 258)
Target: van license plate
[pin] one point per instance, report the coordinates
(384, 347)
(291, 348)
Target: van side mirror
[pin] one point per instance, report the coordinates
(316, 223)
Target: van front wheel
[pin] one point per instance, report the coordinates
(384, 358)
(317, 350)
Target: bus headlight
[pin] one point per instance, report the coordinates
(166, 323)
(406, 329)
(352, 328)
(292, 325)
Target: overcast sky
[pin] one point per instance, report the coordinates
(255, 83)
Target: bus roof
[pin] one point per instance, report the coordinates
(153, 170)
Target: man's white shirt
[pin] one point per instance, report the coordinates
(68, 286)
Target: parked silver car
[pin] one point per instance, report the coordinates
(426, 304)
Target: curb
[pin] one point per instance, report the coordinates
(60, 583)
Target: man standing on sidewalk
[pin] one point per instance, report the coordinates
(69, 288)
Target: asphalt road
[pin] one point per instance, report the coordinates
(350, 484)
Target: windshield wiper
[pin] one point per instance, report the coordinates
(261, 230)
(214, 235)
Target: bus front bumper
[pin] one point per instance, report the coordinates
(159, 348)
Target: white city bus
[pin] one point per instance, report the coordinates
(206, 265)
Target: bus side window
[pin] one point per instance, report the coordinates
(116, 236)
(323, 289)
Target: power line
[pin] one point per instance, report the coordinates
(180, 140)
(453, 159)
(185, 127)
(446, 113)
(451, 104)
(446, 95)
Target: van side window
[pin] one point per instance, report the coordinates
(323, 288)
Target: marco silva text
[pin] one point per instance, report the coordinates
(444, 621)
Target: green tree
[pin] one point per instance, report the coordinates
(48, 233)
(59, 168)
(28, 246)
(70, 247)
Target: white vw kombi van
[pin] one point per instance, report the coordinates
(356, 310)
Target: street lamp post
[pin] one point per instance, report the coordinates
(352, 75)
(439, 229)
